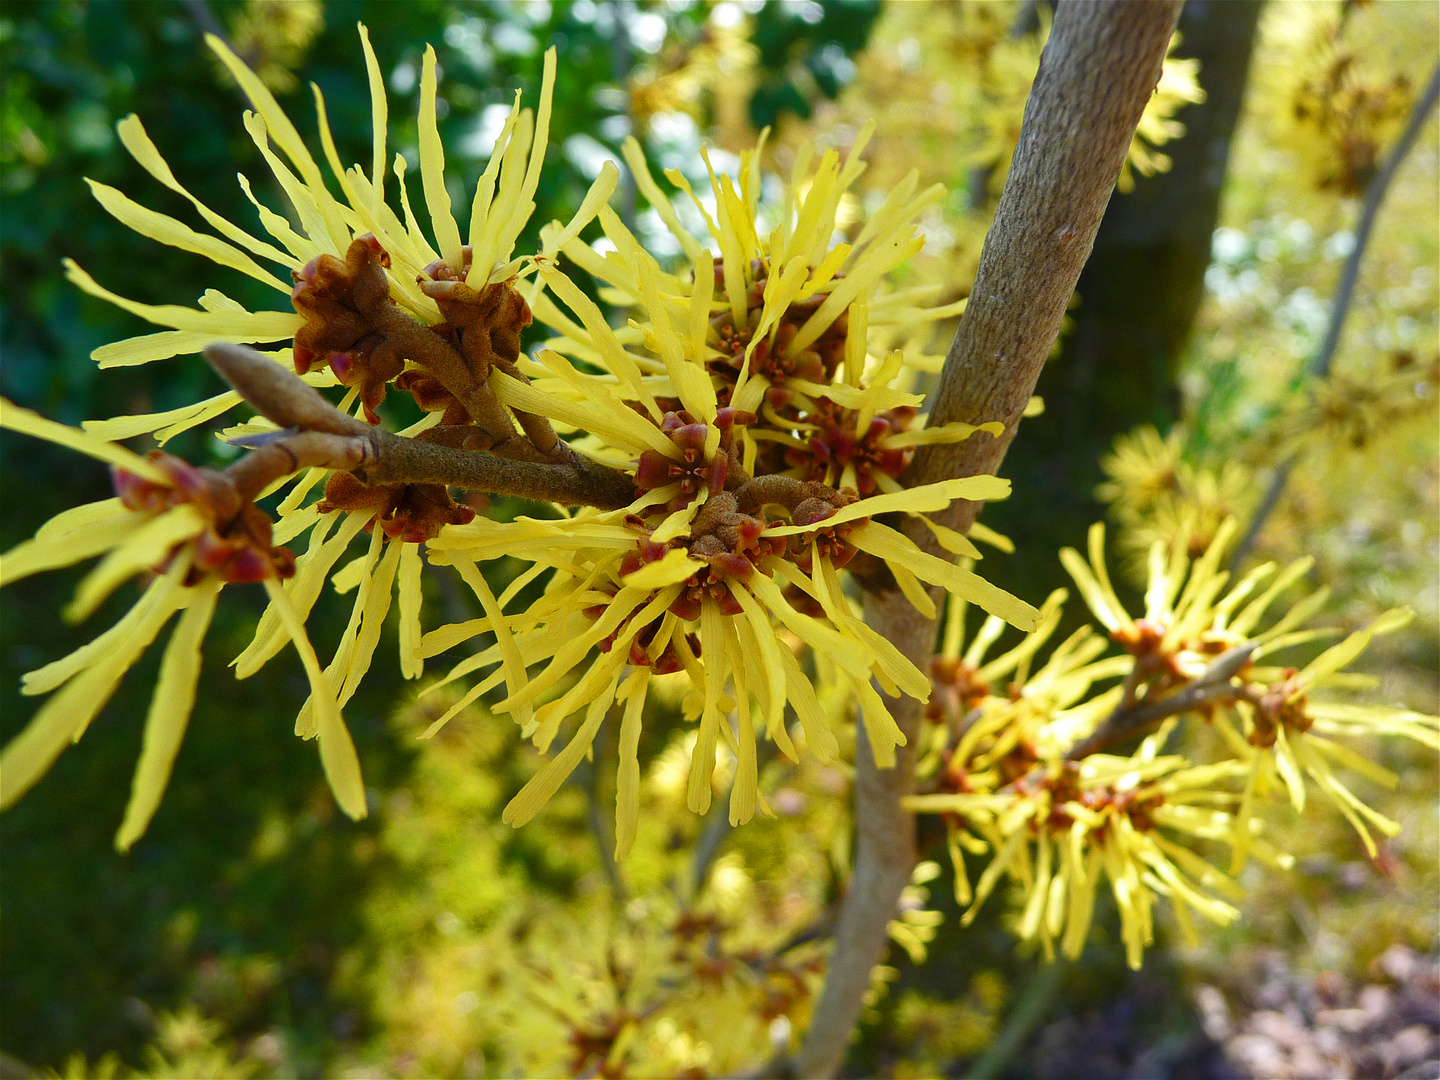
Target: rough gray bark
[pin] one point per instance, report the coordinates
(1097, 72)
(1141, 290)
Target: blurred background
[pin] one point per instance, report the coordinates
(255, 932)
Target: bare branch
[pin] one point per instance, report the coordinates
(289, 450)
(582, 483)
(1099, 68)
(1211, 686)
(386, 458)
(885, 854)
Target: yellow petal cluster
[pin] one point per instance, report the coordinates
(132, 542)
(760, 340)
(1009, 768)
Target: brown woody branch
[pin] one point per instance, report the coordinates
(314, 432)
(1211, 687)
(1099, 68)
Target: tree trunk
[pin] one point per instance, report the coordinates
(1142, 288)
(1138, 298)
(1097, 71)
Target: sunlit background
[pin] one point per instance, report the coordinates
(254, 931)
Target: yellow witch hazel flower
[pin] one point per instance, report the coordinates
(1289, 737)
(1144, 468)
(1283, 735)
(743, 437)
(338, 241)
(1054, 826)
(1061, 828)
(201, 531)
(1036, 717)
(763, 442)
(1019, 771)
(201, 527)
(1338, 109)
(1155, 494)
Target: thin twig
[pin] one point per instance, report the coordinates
(413, 461)
(1320, 364)
(1210, 686)
(594, 818)
(707, 846)
(1374, 196)
(205, 19)
(380, 457)
(1030, 1009)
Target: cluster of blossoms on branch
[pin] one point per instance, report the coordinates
(712, 477)
(704, 471)
(1014, 759)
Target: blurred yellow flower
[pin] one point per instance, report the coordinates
(275, 35)
(1061, 826)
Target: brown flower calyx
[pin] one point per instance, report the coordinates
(1018, 762)
(1138, 804)
(1063, 787)
(431, 395)
(591, 1045)
(826, 540)
(785, 989)
(731, 542)
(1157, 666)
(347, 308)
(483, 328)
(833, 446)
(953, 779)
(808, 504)
(954, 689)
(728, 541)
(410, 513)
(354, 326)
(484, 324)
(804, 603)
(1141, 639)
(692, 925)
(647, 649)
(237, 543)
(693, 470)
(817, 363)
(1280, 704)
